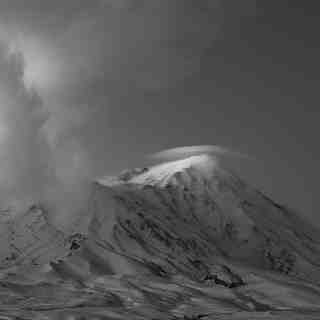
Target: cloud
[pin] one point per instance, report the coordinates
(62, 63)
(188, 151)
(106, 47)
(24, 154)
(42, 152)
(135, 45)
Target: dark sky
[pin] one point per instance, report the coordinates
(121, 79)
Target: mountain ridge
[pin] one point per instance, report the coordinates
(178, 238)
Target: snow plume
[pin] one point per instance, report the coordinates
(71, 62)
(24, 152)
(41, 160)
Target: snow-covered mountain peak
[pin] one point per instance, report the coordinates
(202, 166)
(196, 199)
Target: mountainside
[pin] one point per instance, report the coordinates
(193, 210)
(182, 239)
(29, 239)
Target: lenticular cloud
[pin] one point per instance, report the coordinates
(187, 151)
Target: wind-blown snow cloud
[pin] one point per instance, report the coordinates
(24, 153)
(60, 63)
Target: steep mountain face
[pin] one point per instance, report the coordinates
(186, 215)
(181, 240)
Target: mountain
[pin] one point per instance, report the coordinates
(29, 239)
(192, 210)
(186, 239)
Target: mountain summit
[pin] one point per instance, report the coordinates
(161, 174)
(178, 238)
(196, 201)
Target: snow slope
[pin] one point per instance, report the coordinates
(182, 239)
(29, 239)
(193, 209)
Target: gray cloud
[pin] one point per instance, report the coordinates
(24, 154)
(101, 82)
(187, 151)
(61, 64)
